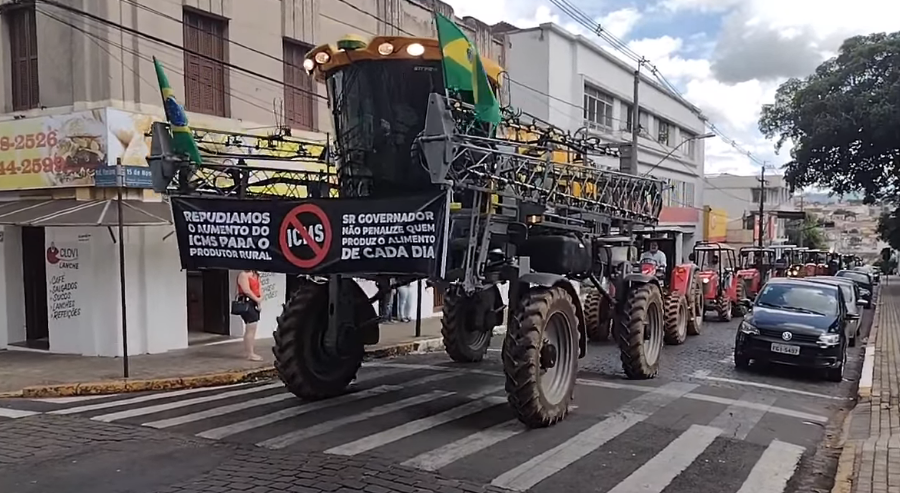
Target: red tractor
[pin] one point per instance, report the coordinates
(755, 268)
(784, 258)
(681, 289)
(815, 263)
(722, 292)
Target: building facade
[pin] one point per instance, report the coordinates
(574, 84)
(79, 93)
(739, 197)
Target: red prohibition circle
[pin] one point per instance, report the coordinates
(319, 251)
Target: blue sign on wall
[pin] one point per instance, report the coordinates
(135, 177)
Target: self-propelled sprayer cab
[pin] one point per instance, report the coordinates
(378, 93)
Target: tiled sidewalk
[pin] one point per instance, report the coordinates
(870, 461)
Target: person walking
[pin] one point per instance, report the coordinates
(405, 298)
(249, 290)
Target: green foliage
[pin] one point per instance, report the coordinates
(889, 231)
(807, 232)
(843, 120)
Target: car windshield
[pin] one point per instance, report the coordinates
(821, 300)
(856, 276)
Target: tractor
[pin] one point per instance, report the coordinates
(783, 259)
(722, 293)
(681, 288)
(599, 304)
(756, 266)
(798, 263)
(434, 191)
(815, 263)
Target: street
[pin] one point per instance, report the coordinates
(699, 425)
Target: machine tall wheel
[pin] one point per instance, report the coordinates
(640, 332)
(737, 309)
(313, 361)
(540, 356)
(677, 314)
(724, 308)
(695, 322)
(597, 322)
(465, 339)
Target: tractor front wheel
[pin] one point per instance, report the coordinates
(314, 360)
(597, 319)
(540, 356)
(640, 332)
(737, 309)
(466, 325)
(697, 308)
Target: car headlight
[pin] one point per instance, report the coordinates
(747, 328)
(829, 339)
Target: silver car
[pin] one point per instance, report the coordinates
(852, 300)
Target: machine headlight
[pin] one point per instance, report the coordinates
(415, 49)
(747, 328)
(829, 339)
(309, 65)
(322, 57)
(385, 49)
(705, 280)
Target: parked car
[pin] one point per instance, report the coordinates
(852, 302)
(865, 282)
(797, 322)
(870, 270)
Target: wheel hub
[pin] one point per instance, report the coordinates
(549, 355)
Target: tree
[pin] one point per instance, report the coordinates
(889, 230)
(843, 120)
(807, 232)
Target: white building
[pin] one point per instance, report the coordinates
(739, 197)
(87, 95)
(573, 83)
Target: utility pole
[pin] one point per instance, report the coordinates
(762, 202)
(636, 118)
(802, 223)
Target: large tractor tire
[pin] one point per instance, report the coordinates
(697, 308)
(737, 309)
(724, 308)
(640, 332)
(540, 356)
(677, 314)
(467, 334)
(313, 362)
(596, 316)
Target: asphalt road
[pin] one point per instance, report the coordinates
(423, 422)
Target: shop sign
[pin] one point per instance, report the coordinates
(403, 235)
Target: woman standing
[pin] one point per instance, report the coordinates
(249, 289)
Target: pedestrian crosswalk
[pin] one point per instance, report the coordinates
(624, 437)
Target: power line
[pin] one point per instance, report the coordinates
(170, 44)
(584, 20)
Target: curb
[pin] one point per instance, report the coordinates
(843, 477)
(120, 386)
(868, 369)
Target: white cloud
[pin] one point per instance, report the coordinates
(620, 22)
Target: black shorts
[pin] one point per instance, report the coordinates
(252, 316)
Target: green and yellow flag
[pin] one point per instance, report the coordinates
(464, 71)
(182, 138)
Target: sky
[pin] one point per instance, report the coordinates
(727, 57)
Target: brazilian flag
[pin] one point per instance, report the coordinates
(464, 71)
(182, 138)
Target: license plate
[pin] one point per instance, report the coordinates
(785, 349)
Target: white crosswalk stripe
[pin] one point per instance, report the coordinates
(455, 424)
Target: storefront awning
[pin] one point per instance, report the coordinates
(84, 213)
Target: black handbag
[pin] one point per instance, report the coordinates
(240, 306)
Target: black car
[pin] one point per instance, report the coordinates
(797, 322)
(852, 302)
(863, 280)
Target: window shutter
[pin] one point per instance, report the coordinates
(205, 79)
(23, 54)
(300, 104)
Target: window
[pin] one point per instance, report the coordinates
(688, 195)
(299, 88)
(663, 132)
(644, 123)
(629, 116)
(205, 48)
(690, 140)
(598, 108)
(23, 55)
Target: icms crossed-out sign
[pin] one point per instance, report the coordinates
(401, 235)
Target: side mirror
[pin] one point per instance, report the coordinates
(862, 303)
(853, 316)
(746, 303)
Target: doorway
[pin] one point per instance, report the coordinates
(37, 322)
(207, 306)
